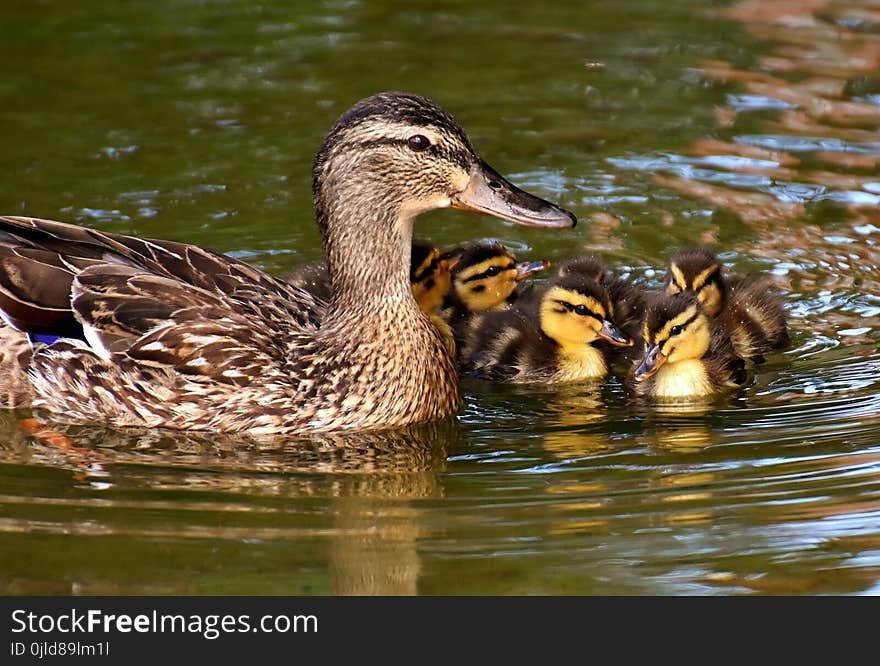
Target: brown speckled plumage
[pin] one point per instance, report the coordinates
(161, 334)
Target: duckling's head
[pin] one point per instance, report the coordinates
(676, 329)
(430, 276)
(485, 274)
(697, 270)
(584, 265)
(576, 310)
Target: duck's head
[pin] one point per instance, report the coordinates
(485, 274)
(676, 329)
(396, 155)
(430, 276)
(697, 270)
(575, 310)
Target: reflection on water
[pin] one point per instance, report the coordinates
(752, 127)
(242, 488)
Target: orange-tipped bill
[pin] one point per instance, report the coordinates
(654, 358)
(526, 269)
(612, 334)
(489, 192)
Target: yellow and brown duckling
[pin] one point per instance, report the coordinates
(748, 306)
(153, 333)
(560, 338)
(485, 276)
(688, 354)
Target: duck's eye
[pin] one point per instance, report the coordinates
(492, 271)
(581, 310)
(418, 142)
(675, 330)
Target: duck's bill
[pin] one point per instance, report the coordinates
(489, 192)
(612, 334)
(527, 269)
(654, 358)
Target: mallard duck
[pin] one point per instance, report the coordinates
(485, 276)
(162, 334)
(753, 314)
(688, 354)
(557, 341)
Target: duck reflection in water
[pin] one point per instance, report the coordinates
(367, 479)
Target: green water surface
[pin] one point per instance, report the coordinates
(198, 121)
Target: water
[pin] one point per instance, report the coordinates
(750, 126)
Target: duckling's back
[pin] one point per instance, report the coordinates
(506, 346)
(756, 318)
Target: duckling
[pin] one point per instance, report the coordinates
(485, 277)
(162, 334)
(559, 341)
(430, 274)
(752, 312)
(688, 353)
(431, 277)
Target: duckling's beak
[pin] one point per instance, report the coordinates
(526, 269)
(651, 363)
(612, 334)
(489, 192)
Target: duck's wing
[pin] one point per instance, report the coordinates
(69, 281)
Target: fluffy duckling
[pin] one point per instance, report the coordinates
(688, 354)
(558, 341)
(747, 305)
(485, 276)
(430, 275)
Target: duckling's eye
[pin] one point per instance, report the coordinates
(675, 330)
(492, 271)
(418, 142)
(581, 310)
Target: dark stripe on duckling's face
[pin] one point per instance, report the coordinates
(573, 318)
(582, 310)
(494, 270)
(485, 284)
(660, 345)
(672, 328)
(684, 279)
(426, 267)
(676, 329)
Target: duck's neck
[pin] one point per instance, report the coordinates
(368, 255)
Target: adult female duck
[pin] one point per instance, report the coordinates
(161, 334)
